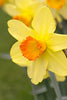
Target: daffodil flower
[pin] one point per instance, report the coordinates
(23, 10)
(58, 7)
(38, 47)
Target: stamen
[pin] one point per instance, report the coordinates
(31, 48)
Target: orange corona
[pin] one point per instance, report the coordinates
(31, 48)
(1, 2)
(57, 4)
(25, 18)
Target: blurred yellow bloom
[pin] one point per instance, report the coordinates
(23, 10)
(58, 7)
(38, 47)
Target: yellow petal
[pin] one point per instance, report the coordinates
(46, 75)
(34, 7)
(37, 69)
(19, 30)
(57, 42)
(43, 22)
(23, 4)
(57, 62)
(17, 56)
(60, 78)
(11, 9)
(63, 10)
(58, 17)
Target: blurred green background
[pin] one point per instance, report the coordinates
(14, 83)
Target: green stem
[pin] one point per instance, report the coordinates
(56, 86)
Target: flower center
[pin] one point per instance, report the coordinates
(57, 4)
(31, 48)
(1, 2)
(25, 18)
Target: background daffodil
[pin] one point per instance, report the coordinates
(58, 7)
(39, 48)
(23, 10)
